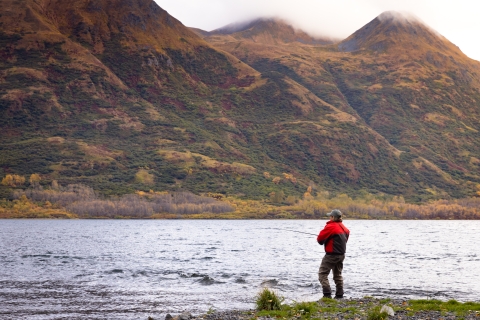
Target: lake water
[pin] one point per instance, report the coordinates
(132, 269)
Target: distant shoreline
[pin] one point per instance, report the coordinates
(224, 218)
(80, 201)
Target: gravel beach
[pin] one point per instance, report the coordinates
(356, 309)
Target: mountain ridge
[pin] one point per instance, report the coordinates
(271, 30)
(391, 26)
(388, 83)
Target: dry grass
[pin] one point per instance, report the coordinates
(144, 177)
(189, 159)
(99, 152)
(468, 127)
(56, 140)
(375, 87)
(436, 169)
(343, 117)
(128, 121)
(436, 118)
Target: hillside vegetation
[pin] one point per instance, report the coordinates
(120, 97)
(402, 79)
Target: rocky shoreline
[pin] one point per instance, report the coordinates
(357, 309)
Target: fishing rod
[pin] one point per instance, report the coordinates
(312, 234)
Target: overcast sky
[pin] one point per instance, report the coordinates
(457, 20)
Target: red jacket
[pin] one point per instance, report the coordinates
(334, 236)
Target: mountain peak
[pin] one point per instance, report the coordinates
(400, 17)
(93, 22)
(390, 29)
(242, 26)
(269, 31)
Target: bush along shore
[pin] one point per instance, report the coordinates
(270, 306)
(81, 201)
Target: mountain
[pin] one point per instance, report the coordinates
(96, 91)
(393, 31)
(121, 96)
(404, 80)
(417, 89)
(268, 31)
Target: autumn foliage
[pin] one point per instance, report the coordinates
(77, 200)
(379, 207)
(13, 180)
(24, 208)
(84, 202)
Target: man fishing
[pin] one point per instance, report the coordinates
(334, 237)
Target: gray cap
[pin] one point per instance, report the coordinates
(335, 213)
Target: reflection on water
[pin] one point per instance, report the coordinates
(132, 269)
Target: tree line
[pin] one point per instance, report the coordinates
(83, 201)
(394, 208)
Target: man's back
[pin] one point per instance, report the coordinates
(334, 236)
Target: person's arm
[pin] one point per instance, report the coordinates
(324, 234)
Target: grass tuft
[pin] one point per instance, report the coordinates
(268, 300)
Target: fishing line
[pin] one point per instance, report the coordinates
(311, 234)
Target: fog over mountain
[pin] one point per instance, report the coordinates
(338, 19)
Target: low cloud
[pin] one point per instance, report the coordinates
(456, 20)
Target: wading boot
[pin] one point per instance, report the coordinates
(339, 297)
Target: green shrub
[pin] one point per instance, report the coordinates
(268, 300)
